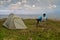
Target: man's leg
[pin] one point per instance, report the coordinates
(37, 24)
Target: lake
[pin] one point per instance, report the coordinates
(54, 17)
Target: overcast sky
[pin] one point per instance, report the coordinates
(29, 6)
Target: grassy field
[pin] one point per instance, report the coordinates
(49, 30)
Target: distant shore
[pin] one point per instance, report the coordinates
(31, 17)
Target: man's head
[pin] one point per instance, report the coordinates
(44, 15)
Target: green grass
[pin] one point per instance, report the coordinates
(49, 30)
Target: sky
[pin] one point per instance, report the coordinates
(30, 6)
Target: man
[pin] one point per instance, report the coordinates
(40, 19)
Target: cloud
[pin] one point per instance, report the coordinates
(24, 1)
(4, 1)
(33, 5)
(15, 6)
(28, 4)
(19, 5)
(52, 6)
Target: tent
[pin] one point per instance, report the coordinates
(14, 22)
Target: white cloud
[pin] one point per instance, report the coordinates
(2, 2)
(19, 5)
(9, 0)
(27, 4)
(24, 1)
(15, 6)
(51, 6)
(33, 5)
(24, 4)
(54, 6)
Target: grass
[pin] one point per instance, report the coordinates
(49, 30)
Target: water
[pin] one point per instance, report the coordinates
(50, 16)
(3, 16)
(22, 16)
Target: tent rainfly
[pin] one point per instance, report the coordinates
(14, 22)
